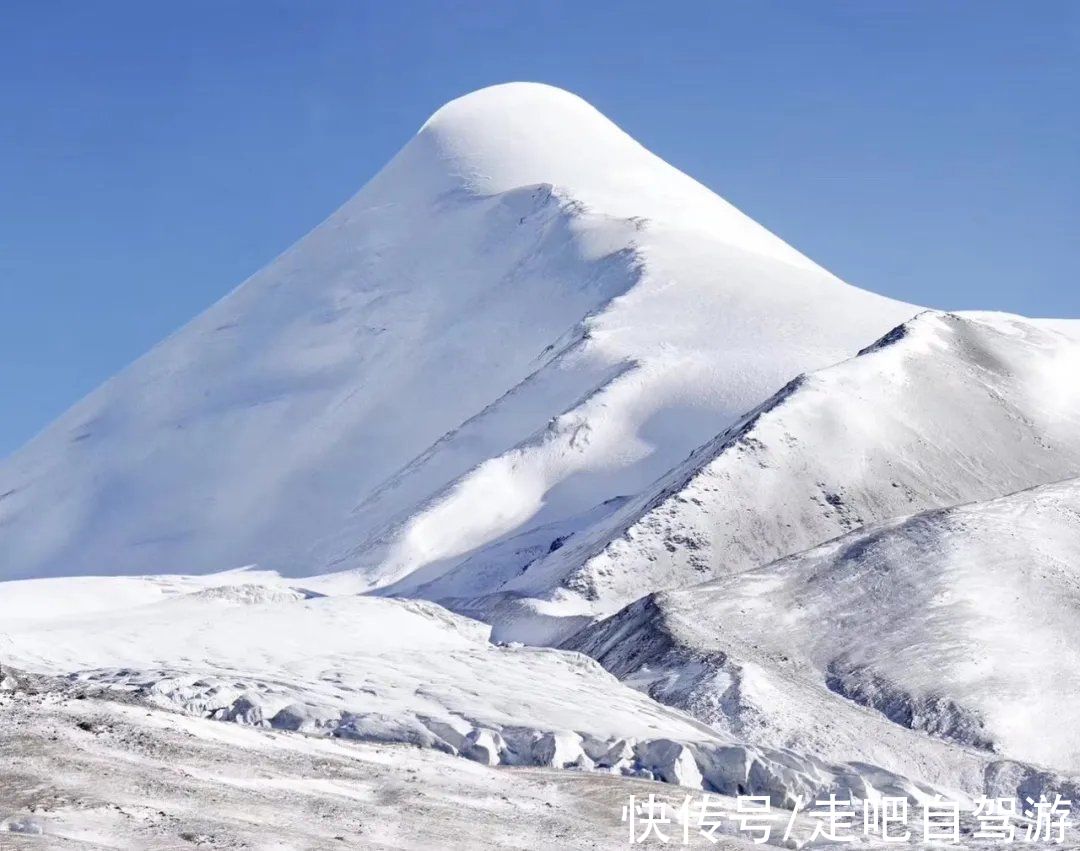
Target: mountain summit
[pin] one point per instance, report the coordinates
(506, 137)
(523, 319)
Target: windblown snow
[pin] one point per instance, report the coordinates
(540, 454)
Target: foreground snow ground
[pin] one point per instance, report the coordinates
(83, 769)
(558, 481)
(402, 672)
(94, 773)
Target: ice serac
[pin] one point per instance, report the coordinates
(264, 654)
(524, 316)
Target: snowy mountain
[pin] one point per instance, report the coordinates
(955, 627)
(534, 386)
(944, 409)
(523, 315)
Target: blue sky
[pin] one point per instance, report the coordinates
(152, 155)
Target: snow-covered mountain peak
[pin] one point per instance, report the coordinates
(501, 137)
(518, 135)
(523, 316)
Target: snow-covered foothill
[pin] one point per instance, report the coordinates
(913, 644)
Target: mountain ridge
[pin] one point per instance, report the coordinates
(943, 409)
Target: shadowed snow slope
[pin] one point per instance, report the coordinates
(523, 315)
(963, 623)
(944, 409)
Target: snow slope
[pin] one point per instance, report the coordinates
(957, 625)
(944, 409)
(523, 315)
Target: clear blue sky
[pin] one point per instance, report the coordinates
(154, 154)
